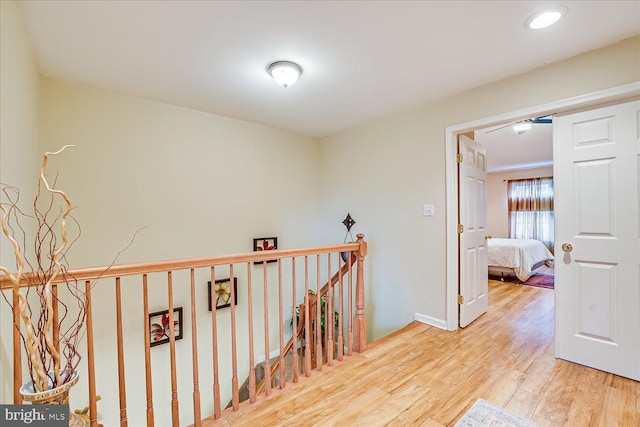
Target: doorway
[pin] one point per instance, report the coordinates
(495, 165)
(451, 169)
(593, 143)
(519, 189)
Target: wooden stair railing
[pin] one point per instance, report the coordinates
(138, 408)
(300, 331)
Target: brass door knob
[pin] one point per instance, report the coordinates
(567, 247)
(488, 236)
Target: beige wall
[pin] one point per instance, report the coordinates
(18, 147)
(383, 172)
(497, 208)
(202, 185)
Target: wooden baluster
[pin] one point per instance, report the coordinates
(91, 366)
(17, 351)
(329, 321)
(307, 327)
(324, 313)
(197, 419)
(340, 309)
(147, 351)
(252, 363)
(350, 304)
(318, 328)
(121, 380)
(360, 322)
(294, 320)
(175, 416)
(214, 340)
(234, 349)
(56, 322)
(281, 326)
(267, 359)
(311, 342)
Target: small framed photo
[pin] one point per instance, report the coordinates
(159, 328)
(222, 289)
(265, 244)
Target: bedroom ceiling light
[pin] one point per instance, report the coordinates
(545, 18)
(285, 73)
(522, 127)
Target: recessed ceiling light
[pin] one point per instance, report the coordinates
(285, 73)
(545, 18)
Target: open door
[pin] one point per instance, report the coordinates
(472, 230)
(597, 185)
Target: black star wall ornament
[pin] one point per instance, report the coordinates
(348, 222)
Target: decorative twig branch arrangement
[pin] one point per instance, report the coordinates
(51, 359)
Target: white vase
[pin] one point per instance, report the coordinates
(53, 396)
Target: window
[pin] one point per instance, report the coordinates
(531, 209)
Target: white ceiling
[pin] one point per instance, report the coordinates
(361, 59)
(508, 150)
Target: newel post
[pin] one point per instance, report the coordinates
(359, 320)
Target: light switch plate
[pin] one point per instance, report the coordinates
(427, 210)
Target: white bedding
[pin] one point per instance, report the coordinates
(519, 254)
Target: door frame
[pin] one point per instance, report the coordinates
(588, 100)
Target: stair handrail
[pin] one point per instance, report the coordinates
(357, 331)
(122, 270)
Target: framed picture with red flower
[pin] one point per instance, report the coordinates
(159, 328)
(265, 244)
(222, 289)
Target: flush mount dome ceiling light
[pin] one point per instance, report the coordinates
(285, 73)
(545, 18)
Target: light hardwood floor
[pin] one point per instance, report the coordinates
(425, 376)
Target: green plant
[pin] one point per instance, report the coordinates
(312, 315)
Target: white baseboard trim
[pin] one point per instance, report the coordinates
(431, 321)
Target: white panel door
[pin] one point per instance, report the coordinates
(472, 178)
(596, 163)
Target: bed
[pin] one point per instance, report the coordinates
(518, 256)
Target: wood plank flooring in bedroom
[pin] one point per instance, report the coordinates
(425, 376)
